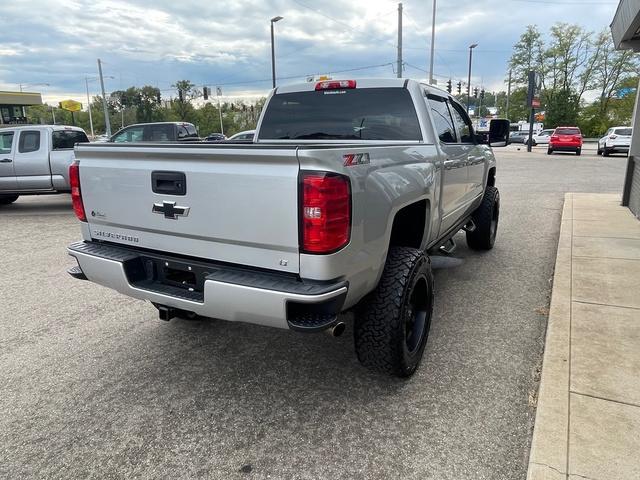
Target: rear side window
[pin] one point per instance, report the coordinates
(442, 121)
(159, 133)
(29, 141)
(350, 114)
(567, 131)
(6, 139)
(64, 139)
(623, 131)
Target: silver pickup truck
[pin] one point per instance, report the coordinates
(335, 206)
(35, 159)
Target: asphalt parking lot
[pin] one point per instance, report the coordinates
(95, 386)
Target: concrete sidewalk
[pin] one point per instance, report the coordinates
(588, 416)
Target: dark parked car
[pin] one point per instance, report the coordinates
(216, 137)
(156, 132)
(518, 137)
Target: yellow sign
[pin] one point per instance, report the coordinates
(70, 105)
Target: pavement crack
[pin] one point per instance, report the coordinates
(549, 466)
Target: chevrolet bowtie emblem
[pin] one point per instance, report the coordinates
(170, 210)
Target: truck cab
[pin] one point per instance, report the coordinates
(35, 159)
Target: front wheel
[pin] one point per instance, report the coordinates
(485, 218)
(7, 199)
(392, 323)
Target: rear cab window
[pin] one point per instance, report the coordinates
(29, 141)
(66, 139)
(349, 114)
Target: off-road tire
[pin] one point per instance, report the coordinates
(484, 235)
(382, 341)
(7, 199)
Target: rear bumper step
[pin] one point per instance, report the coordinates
(211, 289)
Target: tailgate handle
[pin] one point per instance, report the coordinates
(169, 183)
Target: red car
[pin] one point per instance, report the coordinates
(565, 139)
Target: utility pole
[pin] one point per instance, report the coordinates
(273, 52)
(508, 95)
(531, 93)
(433, 42)
(86, 81)
(400, 40)
(218, 94)
(107, 123)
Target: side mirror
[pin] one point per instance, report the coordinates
(499, 132)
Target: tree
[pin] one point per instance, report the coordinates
(186, 91)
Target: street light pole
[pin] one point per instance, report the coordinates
(107, 123)
(86, 82)
(433, 41)
(399, 66)
(471, 47)
(273, 52)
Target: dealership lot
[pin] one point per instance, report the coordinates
(95, 386)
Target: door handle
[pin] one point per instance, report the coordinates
(6, 160)
(449, 163)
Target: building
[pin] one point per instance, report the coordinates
(625, 30)
(12, 106)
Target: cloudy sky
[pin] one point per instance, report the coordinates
(227, 43)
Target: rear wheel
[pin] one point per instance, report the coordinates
(485, 219)
(7, 199)
(549, 151)
(392, 323)
(599, 152)
(578, 151)
(605, 152)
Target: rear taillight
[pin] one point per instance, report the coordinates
(325, 212)
(554, 138)
(335, 84)
(76, 194)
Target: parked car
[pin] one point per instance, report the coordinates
(246, 135)
(518, 137)
(335, 206)
(617, 139)
(215, 137)
(156, 132)
(35, 159)
(565, 139)
(540, 138)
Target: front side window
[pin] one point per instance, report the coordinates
(29, 141)
(342, 114)
(463, 123)
(6, 140)
(65, 139)
(133, 134)
(442, 121)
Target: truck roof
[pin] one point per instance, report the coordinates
(50, 127)
(363, 83)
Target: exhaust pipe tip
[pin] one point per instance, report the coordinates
(337, 330)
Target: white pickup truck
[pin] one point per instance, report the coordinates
(35, 159)
(346, 188)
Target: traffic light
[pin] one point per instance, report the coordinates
(205, 93)
(158, 99)
(180, 95)
(482, 94)
(475, 92)
(459, 88)
(449, 86)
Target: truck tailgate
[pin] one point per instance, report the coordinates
(240, 204)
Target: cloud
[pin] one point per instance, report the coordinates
(228, 42)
